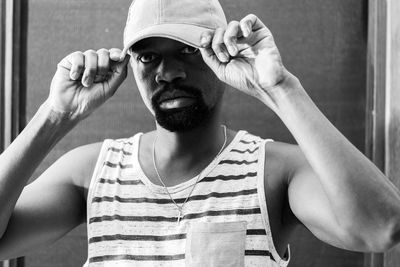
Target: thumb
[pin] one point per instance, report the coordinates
(211, 59)
(119, 74)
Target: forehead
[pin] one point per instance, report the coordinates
(157, 43)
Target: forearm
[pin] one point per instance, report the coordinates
(22, 157)
(363, 200)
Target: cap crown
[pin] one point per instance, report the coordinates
(147, 13)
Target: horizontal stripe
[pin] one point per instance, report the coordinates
(265, 253)
(156, 237)
(124, 142)
(115, 165)
(136, 238)
(121, 182)
(237, 162)
(256, 232)
(222, 212)
(117, 150)
(228, 177)
(189, 216)
(248, 142)
(137, 258)
(258, 253)
(178, 200)
(244, 151)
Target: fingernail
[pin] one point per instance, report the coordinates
(87, 81)
(204, 41)
(248, 30)
(223, 57)
(74, 76)
(232, 49)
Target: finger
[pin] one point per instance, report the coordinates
(103, 62)
(249, 24)
(230, 37)
(72, 65)
(115, 54)
(77, 62)
(218, 45)
(119, 73)
(206, 39)
(103, 65)
(90, 68)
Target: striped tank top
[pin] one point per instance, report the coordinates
(133, 222)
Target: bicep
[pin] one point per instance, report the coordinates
(48, 208)
(310, 204)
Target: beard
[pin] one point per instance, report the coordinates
(185, 118)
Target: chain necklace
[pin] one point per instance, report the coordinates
(180, 208)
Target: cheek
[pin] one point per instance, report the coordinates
(209, 82)
(144, 84)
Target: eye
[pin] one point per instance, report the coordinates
(147, 57)
(189, 50)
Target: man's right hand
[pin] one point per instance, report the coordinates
(84, 81)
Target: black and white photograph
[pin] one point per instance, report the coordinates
(199, 133)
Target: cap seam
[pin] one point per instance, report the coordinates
(210, 11)
(159, 12)
(178, 23)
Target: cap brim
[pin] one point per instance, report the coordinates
(185, 33)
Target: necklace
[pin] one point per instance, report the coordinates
(180, 208)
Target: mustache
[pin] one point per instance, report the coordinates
(196, 92)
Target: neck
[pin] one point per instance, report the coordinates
(202, 140)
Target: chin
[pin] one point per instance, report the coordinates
(184, 119)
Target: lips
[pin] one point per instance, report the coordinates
(173, 95)
(175, 99)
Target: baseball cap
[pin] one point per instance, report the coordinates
(180, 20)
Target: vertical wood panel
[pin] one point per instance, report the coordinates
(392, 258)
(13, 53)
(375, 105)
(2, 66)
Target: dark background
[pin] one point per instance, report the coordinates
(322, 42)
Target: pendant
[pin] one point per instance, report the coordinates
(179, 216)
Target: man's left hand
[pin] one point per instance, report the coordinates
(244, 56)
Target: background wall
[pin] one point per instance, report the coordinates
(321, 42)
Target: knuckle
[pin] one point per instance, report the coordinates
(103, 51)
(252, 16)
(76, 53)
(90, 52)
(233, 23)
(114, 50)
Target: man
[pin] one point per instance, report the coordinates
(191, 192)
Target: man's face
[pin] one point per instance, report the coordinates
(176, 85)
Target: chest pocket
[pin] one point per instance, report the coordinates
(216, 244)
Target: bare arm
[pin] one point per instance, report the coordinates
(52, 205)
(82, 82)
(23, 156)
(334, 190)
(336, 181)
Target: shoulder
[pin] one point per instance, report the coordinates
(80, 162)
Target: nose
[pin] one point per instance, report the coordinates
(170, 70)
